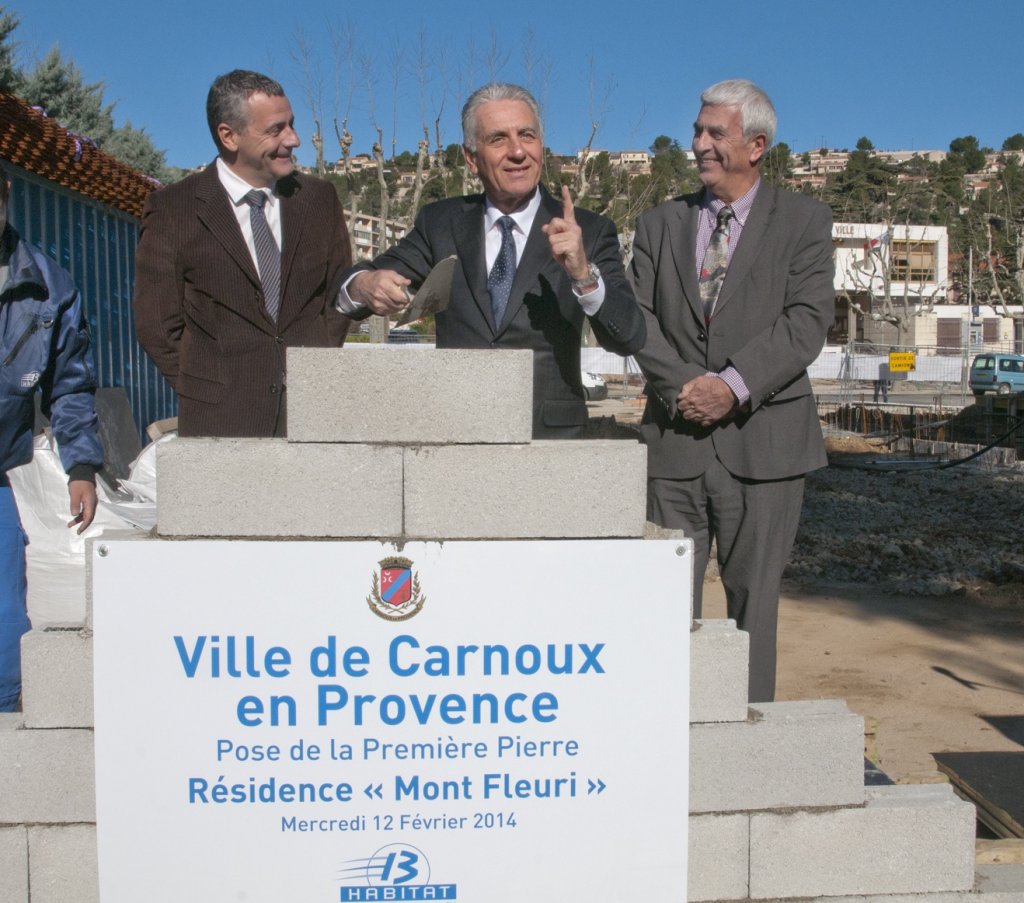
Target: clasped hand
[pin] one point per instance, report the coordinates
(706, 400)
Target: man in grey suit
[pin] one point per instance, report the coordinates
(735, 283)
(531, 268)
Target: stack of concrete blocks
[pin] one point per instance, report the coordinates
(402, 443)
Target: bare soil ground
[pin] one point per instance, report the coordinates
(928, 673)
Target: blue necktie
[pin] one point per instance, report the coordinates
(268, 255)
(499, 281)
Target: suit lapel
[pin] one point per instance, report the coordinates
(536, 255)
(215, 213)
(684, 244)
(750, 244)
(468, 237)
(293, 219)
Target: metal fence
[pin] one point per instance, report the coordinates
(864, 361)
(96, 244)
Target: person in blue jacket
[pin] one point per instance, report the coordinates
(44, 346)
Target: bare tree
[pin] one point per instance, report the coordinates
(426, 164)
(343, 50)
(598, 110)
(311, 79)
(1002, 223)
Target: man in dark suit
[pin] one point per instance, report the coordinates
(238, 262)
(735, 283)
(531, 268)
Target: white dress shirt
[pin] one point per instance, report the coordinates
(237, 188)
(523, 220)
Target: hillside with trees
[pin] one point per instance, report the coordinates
(977, 193)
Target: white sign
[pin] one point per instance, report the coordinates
(325, 721)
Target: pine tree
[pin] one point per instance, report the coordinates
(10, 77)
(57, 86)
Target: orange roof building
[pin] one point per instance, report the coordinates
(38, 144)
(82, 207)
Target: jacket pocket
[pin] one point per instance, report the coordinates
(25, 359)
(28, 330)
(199, 389)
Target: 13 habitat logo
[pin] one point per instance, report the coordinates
(397, 871)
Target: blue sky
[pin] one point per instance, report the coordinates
(908, 75)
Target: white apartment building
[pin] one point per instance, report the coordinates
(905, 156)
(635, 161)
(365, 231)
(916, 258)
(913, 258)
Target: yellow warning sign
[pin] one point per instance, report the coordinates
(902, 361)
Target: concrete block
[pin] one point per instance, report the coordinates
(719, 671)
(11, 721)
(718, 859)
(14, 865)
(548, 489)
(47, 777)
(409, 394)
(905, 839)
(950, 897)
(271, 487)
(1000, 883)
(63, 864)
(788, 754)
(56, 672)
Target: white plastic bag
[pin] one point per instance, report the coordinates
(56, 553)
(137, 503)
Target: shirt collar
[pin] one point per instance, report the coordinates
(740, 207)
(522, 218)
(237, 188)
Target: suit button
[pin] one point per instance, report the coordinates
(273, 388)
(701, 337)
(279, 340)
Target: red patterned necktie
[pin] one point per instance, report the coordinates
(716, 263)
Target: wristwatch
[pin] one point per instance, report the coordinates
(589, 282)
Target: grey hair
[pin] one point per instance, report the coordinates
(489, 92)
(756, 111)
(229, 95)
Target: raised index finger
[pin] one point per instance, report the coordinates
(568, 213)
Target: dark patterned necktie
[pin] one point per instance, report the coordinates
(716, 263)
(268, 255)
(499, 280)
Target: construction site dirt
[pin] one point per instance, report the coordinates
(905, 597)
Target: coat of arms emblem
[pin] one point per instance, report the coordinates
(395, 594)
